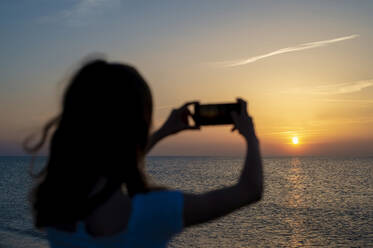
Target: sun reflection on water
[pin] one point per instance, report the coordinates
(295, 179)
(295, 200)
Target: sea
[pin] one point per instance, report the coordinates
(307, 202)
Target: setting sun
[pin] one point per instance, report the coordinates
(295, 140)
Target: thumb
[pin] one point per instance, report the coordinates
(234, 116)
(194, 127)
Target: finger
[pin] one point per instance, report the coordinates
(183, 113)
(243, 106)
(188, 112)
(239, 100)
(183, 110)
(194, 127)
(188, 104)
(235, 120)
(188, 126)
(184, 117)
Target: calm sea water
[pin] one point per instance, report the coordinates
(321, 202)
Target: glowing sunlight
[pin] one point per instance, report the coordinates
(295, 140)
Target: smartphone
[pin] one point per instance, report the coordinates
(214, 114)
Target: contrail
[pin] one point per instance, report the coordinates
(299, 47)
(331, 89)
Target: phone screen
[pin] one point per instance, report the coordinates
(215, 114)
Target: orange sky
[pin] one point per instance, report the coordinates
(304, 75)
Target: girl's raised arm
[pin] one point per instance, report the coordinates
(199, 208)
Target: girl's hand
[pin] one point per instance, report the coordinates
(243, 123)
(178, 120)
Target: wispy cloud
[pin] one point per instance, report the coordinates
(300, 47)
(83, 12)
(362, 101)
(331, 89)
(342, 120)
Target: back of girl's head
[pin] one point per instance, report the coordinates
(101, 134)
(106, 107)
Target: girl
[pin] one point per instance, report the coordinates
(93, 191)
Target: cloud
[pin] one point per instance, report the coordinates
(362, 101)
(300, 47)
(83, 12)
(332, 89)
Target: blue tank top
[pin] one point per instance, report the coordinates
(155, 218)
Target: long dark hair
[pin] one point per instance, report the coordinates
(101, 133)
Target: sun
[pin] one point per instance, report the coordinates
(295, 140)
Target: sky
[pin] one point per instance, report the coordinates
(305, 67)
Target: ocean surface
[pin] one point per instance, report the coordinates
(308, 201)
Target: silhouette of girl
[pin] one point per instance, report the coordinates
(93, 191)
